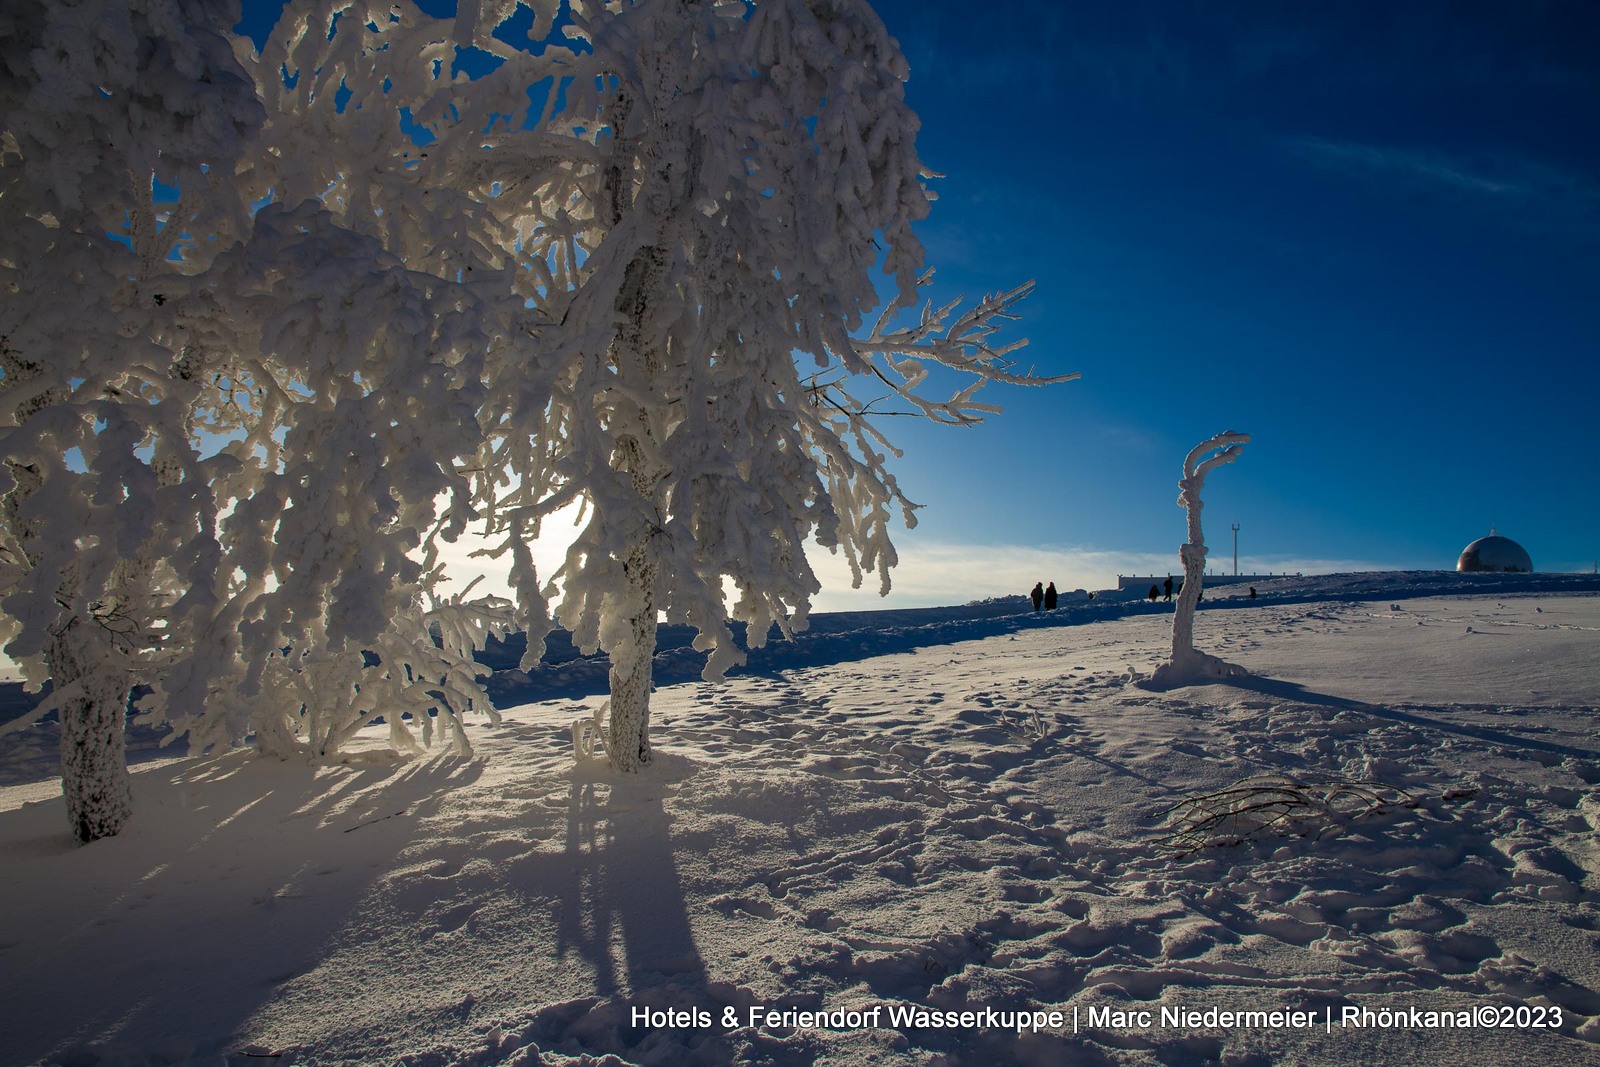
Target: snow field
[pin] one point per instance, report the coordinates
(956, 828)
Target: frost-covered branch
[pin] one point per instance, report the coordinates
(389, 304)
(898, 358)
(1276, 805)
(705, 271)
(109, 506)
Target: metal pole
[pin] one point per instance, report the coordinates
(1236, 550)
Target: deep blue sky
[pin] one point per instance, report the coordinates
(1365, 233)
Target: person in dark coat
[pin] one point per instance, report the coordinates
(1169, 587)
(1252, 592)
(1050, 597)
(1037, 596)
(1154, 593)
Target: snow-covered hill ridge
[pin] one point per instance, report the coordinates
(846, 637)
(842, 637)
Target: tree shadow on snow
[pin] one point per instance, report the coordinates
(1292, 691)
(233, 878)
(625, 892)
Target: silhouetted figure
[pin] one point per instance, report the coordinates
(1154, 593)
(1037, 596)
(1252, 592)
(1091, 594)
(1168, 585)
(1050, 597)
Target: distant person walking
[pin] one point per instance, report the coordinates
(1050, 597)
(1154, 593)
(1252, 592)
(1037, 596)
(1168, 586)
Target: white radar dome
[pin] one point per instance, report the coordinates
(1495, 553)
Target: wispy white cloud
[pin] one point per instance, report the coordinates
(939, 574)
(1518, 192)
(1422, 167)
(931, 575)
(936, 575)
(1154, 50)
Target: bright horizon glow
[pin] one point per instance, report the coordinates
(930, 573)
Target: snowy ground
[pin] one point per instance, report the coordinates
(966, 825)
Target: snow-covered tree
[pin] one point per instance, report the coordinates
(708, 194)
(368, 297)
(105, 503)
(660, 230)
(1188, 664)
(232, 402)
(335, 301)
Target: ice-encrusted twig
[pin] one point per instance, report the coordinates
(1275, 804)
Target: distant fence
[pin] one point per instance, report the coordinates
(1134, 581)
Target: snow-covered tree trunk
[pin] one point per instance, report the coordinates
(1188, 664)
(638, 359)
(1192, 555)
(628, 733)
(94, 769)
(90, 691)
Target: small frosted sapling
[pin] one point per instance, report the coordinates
(1188, 665)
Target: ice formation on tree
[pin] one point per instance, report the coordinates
(221, 455)
(335, 301)
(700, 212)
(105, 503)
(1189, 665)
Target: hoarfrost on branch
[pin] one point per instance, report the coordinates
(337, 303)
(702, 210)
(1189, 666)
